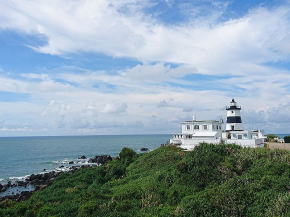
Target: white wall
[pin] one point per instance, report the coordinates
(192, 130)
(197, 141)
(232, 113)
(237, 126)
(246, 142)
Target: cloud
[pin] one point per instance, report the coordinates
(83, 109)
(104, 26)
(188, 67)
(113, 108)
(163, 103)
(157, 72)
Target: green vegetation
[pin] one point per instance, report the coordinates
(212, 180)
(271, 138)
(287, 139)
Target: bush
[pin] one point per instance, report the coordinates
(115, 170)
(212, 180)
(202, 166)
(127, 154)
(271, 137)
(87, 209)
(287, 139)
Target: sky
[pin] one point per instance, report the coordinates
(98, 67)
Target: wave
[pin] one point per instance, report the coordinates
(63, 165)
(64, 161)
(18, 178)
(74, 161)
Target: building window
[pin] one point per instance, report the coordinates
(189, 136)
(196, 127)
(188, 127)
(233, 127)
(220, 127)
(205, 127)
(240, 137)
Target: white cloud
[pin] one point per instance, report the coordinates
(83, 109)
(144, 101)
(99, 26)
(115, 108)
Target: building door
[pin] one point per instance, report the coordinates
(233, 127)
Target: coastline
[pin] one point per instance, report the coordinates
(20, 188)
(25, 156)
(168, 181)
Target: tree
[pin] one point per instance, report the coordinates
(287, 139)
(127, 154)
(271, 137)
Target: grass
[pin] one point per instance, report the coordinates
(212, 180)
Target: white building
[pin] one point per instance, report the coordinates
(195, 131)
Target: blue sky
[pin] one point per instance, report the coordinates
(135, 67)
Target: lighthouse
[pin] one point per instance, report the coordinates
(234, 121)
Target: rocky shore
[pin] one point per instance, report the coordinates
(22, 189)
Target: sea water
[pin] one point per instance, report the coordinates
(21, 156)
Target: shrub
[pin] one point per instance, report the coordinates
(271, 137)
(212, 180)
(287, 139)
(88, 209)
(127, 154)
(201, 166)
(115, 170)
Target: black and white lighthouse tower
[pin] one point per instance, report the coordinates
(234, 121)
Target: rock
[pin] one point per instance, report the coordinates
(144, 149)
(71, 162)
(40, 187)
(21, 183)
(40, 181)
(3, 188)
(34, 177)
(100, 159)
(82, 157)
(62, 166)
(36, 182)
(23, 196)
(46, 176)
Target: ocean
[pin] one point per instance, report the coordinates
(281, 135)
(21, 156)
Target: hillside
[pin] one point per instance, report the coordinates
(212, 180)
